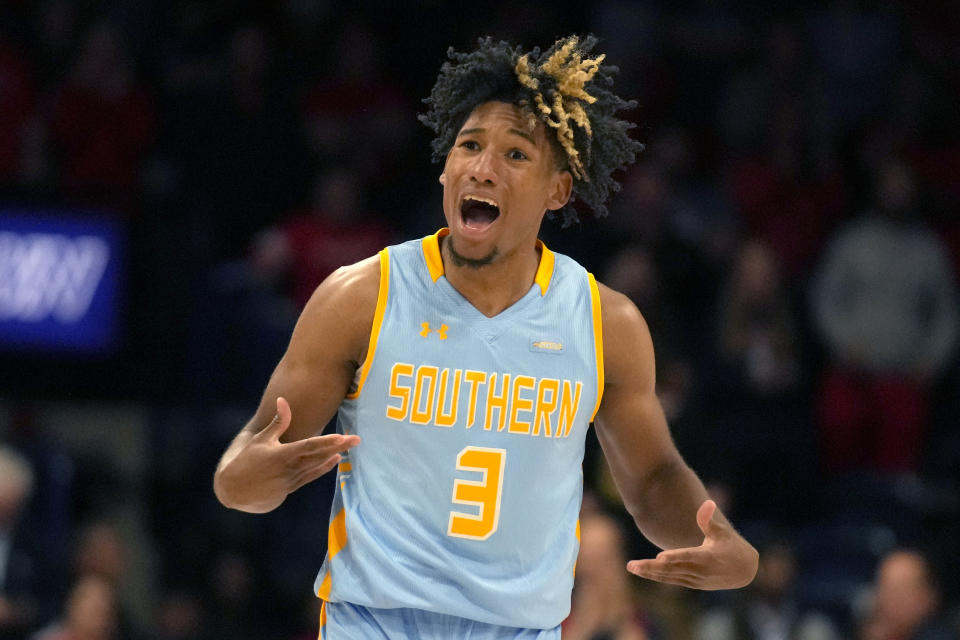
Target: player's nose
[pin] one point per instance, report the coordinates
(483, 168)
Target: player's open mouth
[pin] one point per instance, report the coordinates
(478, 212)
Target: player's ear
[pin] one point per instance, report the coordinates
(560, 190)
(443, 178)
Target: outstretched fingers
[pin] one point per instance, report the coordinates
(651, 570)
(674, 569)
(308, 474)
(325, 446)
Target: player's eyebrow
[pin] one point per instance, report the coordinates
(516, 132)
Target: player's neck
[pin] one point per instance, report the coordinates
(494, 287)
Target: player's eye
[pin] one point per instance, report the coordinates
(516, 154)
(472, 145)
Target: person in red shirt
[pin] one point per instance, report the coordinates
(102, 123)
(333, 231)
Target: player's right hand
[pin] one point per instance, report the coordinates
(265, 470)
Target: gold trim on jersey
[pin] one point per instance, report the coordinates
(597, 339)
(545, 268)
(336, 540)
(576, 532)
(431, 255)
(382, 293)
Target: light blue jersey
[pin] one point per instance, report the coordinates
(463, 497)
(347, 621)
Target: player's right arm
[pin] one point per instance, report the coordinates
(280, 449)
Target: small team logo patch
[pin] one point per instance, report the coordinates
(546, 346)
(425, 330)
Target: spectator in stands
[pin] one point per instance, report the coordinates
(906, 601)
(780, 66)
(634, 271)
(604, 605)
(18, 567)
(102, 123)
(21, 158)
(338, 107)
(761, 430)
(758, 338)
(335, 230)
(90, 613)
(180, 616)
(768, 609)
(241, 150)
(662, 229)
(103, 552)
(789, 191)
(45, 525)
(239, 299)
(885, 303)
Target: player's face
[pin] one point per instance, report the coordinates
(499, 179)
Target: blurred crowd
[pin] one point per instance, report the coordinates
(791, 234)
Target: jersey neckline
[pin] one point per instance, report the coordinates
(431, 254)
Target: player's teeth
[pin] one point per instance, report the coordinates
(483, 200)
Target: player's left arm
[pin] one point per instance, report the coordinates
(667, 500)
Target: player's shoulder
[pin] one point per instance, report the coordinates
(344, 301)
(349, 285)
(618, 311)
(627, 345)
(355, 279)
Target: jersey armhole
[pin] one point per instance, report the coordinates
(382, 292)
(597, 339)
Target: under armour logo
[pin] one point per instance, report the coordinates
(425, 330)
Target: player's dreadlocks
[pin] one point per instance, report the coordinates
(562, 88)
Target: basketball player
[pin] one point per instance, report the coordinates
(466, 367)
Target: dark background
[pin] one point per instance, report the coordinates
(246, 149)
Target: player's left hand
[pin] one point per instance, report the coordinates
(724, 561)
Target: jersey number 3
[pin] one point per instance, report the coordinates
(484, 494)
